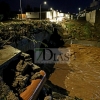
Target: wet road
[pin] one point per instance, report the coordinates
(81, 77)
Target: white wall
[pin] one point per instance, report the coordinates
(32, 14)
(91, 17)
(71, 17)
(54, 14)
(67, 16)
(88, 16)
(49, 14)
(61, 14)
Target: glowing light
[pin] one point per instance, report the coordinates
(61, 14)
(79, 9)
(40, 8)
(45, 2)
(51, 8)
(49, 15)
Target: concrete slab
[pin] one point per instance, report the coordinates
(8, 53)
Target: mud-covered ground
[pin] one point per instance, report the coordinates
(81, 76)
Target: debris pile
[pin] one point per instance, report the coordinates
(24, 72)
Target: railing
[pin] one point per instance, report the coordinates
(32, 91)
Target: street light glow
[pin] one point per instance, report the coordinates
(79, 9)
(51, 8)
(45, 2)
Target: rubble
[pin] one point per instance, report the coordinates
(36, 68)
(25, 28)
(24, 72)
(36, 76)
(25, 56)
(5, 92)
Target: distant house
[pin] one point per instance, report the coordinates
(32, 15)
(46, 15)
(36, 15)
(67, 16)
(51, 15)
(93, 12)
(60, 16)
(21, 16)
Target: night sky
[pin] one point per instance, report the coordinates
(63, 5)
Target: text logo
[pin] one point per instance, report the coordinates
(51, 55)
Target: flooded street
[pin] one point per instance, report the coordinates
(81, 77)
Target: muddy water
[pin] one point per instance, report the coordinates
(60, 72)
(81, 77)
(84, 81)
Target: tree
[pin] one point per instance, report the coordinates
(4, 10)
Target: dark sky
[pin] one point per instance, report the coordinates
(63, 5)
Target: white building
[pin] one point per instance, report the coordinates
(36, 15)
(32, 15)
(47, 15)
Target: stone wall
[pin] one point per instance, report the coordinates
(27, 44)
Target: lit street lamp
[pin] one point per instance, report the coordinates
(51, 8)
(40, 8)
(51, 12)
(79, 9)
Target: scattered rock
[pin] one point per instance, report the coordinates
(37, 75)
(36, 68)
(26, 56)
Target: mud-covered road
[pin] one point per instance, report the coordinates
(81, 76)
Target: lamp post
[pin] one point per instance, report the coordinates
(40, 8)
(51, 8)
(51, 12)
(21, 8)
(79, 9)
(56, 15)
